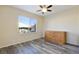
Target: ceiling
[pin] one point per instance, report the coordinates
(34, 8)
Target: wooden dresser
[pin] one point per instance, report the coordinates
(57, 37)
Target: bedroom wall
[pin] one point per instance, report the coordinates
(67, 20)
(9, 33)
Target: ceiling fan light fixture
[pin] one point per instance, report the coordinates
(44, 9)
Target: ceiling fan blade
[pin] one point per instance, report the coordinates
(49, 6)
(41, 6)
(49, 10)
(38, 10)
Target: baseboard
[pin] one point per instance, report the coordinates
(72, 44)
(19, 43)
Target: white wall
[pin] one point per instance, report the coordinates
(67, 20)
(9, 32)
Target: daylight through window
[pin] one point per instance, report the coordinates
(27, 24)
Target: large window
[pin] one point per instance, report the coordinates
(26, 24)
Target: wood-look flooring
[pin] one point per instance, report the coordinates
(39, 46)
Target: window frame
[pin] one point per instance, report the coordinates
(29, 23)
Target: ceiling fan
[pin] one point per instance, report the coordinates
(44, 8)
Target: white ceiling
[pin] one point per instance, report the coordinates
(34, 8)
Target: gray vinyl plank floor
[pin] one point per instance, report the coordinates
(39, 46)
